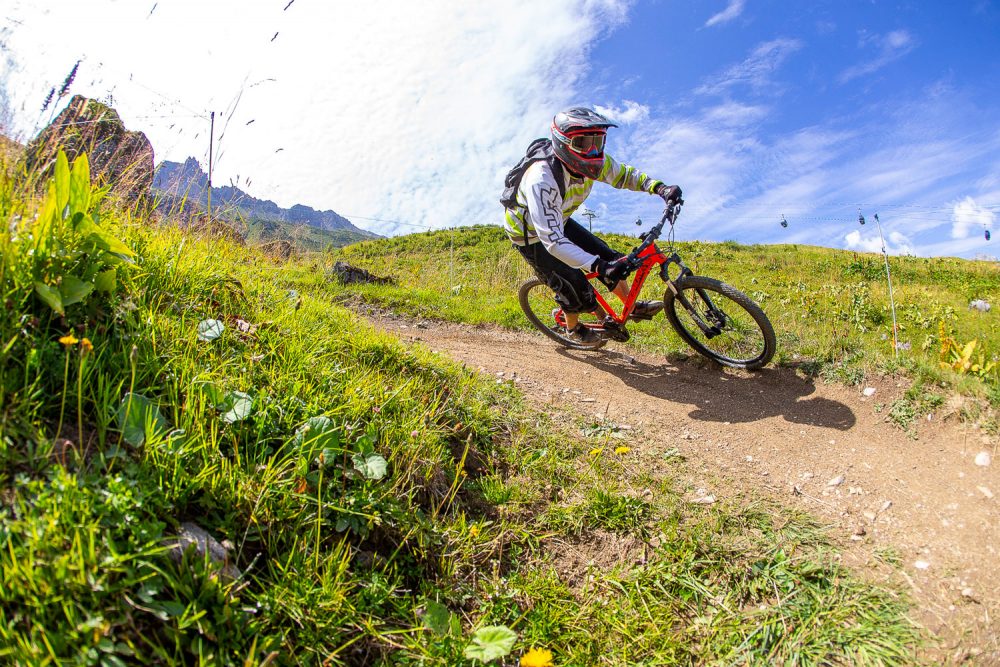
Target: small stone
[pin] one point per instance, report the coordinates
(968, 593)
(986, 492)
(886, 505)
(921, 565)
(983, 459)
(749, 459)
(871, 516)
(807, 475)
(704, 500)
(869, 391)
(860, 530)
(854, 491)
(796, 490)
(836, 481)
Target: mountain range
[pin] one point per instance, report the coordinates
(182, 184)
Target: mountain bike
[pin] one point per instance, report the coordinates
(717, 320)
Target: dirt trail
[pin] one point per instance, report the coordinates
(924, 501)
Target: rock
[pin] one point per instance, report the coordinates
(118, 158)
(986, 492)
(968, 593)
(886, 505)
(807, 475)
(836, 481)
(860, 530)
(704, 500)
(869, 391)
(980, 305)
(347, 275)
(194, 536)
(983, 459)
(871, 516)
(921, 565)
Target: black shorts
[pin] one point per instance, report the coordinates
(574, 292)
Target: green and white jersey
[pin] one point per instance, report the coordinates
(540, 205)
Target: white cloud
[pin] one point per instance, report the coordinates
(890, 47)
(897, 243)
(756, 70)
(968, 217)
(401, 111)
(631, 112)
(732, 11)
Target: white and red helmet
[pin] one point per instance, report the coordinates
(578, 136)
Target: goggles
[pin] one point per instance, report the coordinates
(588, 145)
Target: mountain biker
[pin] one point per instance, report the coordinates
(557, 247)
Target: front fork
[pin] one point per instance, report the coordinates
(712, 312)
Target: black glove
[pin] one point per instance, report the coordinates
(611, 272)
(670, 193)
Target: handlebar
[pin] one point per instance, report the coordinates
(670, 214)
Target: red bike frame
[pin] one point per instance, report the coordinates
(651, 257)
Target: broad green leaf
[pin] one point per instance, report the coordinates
(100, 238)
(209, 330)
(74, 290)
(490, 643)
(106, 281)
(212, 394)
(62, 181)
(139, 419)
(372, 466)
(437, 617)
(51, 296)
(319, 433)
(79, 185)
(237, 406)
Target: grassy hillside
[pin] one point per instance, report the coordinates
(830, 308)
(379, 504)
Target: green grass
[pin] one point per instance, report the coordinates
(830, 308)
(273, 436)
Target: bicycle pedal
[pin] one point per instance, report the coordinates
(614, 331)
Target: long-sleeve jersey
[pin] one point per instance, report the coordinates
(542, 210)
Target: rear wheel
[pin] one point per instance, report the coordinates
(720, 322)
(539, 304)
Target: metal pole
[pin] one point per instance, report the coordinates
(888, 278)
(211, 135)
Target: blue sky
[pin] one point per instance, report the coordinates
(407, 115)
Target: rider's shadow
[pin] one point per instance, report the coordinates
(722, 396)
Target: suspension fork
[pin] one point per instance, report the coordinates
(710, 330)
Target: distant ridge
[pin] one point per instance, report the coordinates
(187, 183)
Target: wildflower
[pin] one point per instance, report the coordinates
(69, 340)
(622, 450)
(474, 531)
(595, 451)
(537, 658)
(414, 433)
(86, 347)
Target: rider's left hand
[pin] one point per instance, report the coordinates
(669, 193)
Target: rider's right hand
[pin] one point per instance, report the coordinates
(611, 273)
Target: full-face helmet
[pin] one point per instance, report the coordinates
(578, 136)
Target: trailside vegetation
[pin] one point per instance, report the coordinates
(374, 503)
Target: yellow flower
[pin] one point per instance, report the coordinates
(86, 346)
(537, 658)
(69, 340)
(595, 451)
(474, 531)
(622, 450)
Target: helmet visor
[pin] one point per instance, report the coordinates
(588, 145)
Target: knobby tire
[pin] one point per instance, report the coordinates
(744, 343)
(537, 301)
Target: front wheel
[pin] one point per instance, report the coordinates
(538, 302)
(720, 322)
